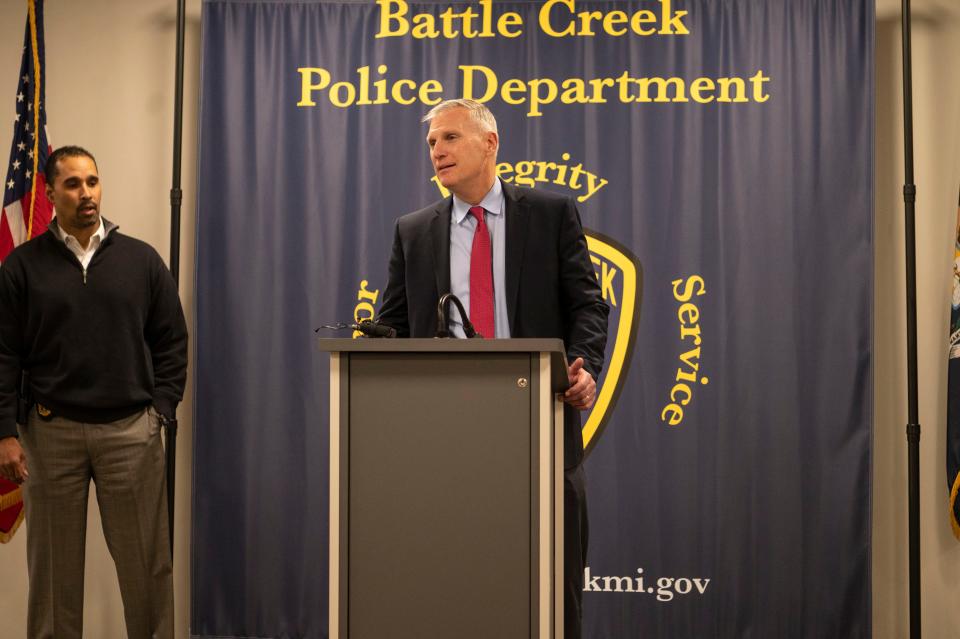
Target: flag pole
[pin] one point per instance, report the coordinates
(176, 197)
(913, 423)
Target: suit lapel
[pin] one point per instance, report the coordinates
(518, 219)
(440, 235)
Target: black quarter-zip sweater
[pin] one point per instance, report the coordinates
(98, 344)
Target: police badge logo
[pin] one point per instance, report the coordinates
(621, 281)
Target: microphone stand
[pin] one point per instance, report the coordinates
(913, 419)
(443, 320)
(176, 197)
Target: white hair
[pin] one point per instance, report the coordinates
(479, 113)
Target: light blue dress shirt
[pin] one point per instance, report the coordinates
(462, 229)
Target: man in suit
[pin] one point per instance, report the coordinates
(518, 260)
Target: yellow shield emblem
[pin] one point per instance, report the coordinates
(621, 280)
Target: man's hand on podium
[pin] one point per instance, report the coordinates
(583, 388)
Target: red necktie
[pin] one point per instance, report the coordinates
(481, 278)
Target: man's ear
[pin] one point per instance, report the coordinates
(49, 190)
(493, 141)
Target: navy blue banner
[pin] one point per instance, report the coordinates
(721, 156)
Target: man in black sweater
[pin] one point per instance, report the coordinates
(92, 317)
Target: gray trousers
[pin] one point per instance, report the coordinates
(125, 460)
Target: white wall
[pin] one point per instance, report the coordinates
(110, 66)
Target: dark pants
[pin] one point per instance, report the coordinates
(575, 534)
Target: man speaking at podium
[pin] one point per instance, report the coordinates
(517, 259)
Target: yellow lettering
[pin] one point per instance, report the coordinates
(612, 20)
(598, 84)
(543, 168)
(586, 18)
(544, 18)
(424, 26)
(537, 98)
(486, 17)
(507, 20)
(688, 359)
(566, 22)
(689, 291)
(698, 86)
(447, 19)
(757, 82)
(725, 84)
(681, 394)
(509, 88)
(363, 311)
(468, 15)
(430, 87)
(505, 170)
(686, 391)
(388, 17)
(640, 18)
(691, 312)
(307, 86)
(675, 412)
(346, 88)
(672, 21)
(691, 331)
(489, 76)
(606, 284)
(364, 294)
(363, 80)
(381, 86)
(523, 170)
(397, 94)
(574, 91)
(661, 84)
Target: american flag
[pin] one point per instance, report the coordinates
(953, 392)
(26, 209)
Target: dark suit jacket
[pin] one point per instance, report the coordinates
(551, 288)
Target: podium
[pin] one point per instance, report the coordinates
(446, 488)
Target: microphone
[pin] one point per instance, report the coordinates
(443, 319)
(374, 329)
(369, 328)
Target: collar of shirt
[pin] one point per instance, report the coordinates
(83, 254)
(492, 202)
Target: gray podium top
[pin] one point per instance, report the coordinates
(558, 357)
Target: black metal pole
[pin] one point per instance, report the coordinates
(176, 197)
(913, 419)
